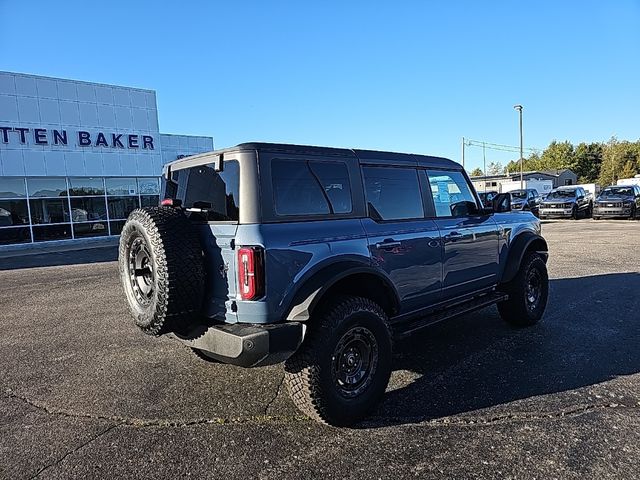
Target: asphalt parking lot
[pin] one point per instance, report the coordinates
(85, 394)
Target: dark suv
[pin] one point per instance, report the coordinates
(621, 201)
(320, 257)
(527, 199)
(566, 202)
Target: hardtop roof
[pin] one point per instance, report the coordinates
(362, 155)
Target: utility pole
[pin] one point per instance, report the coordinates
(519, 108)
(462, 152)
(484, 167)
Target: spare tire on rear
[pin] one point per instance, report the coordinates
(162, 269)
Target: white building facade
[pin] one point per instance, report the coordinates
(76, 157)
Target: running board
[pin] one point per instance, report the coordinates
(402, 330)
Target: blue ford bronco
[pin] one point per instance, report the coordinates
(320, 258)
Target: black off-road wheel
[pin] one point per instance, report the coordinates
(528, 293)
(161, 269)
(343, 367)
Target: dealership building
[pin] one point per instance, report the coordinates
(77, 157)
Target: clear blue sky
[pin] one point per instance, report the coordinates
(408, 76)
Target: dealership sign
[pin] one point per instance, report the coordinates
(81, 138)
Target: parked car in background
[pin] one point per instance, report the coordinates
(487, 197)
(527, 199)
(566, 202)
(621, 201)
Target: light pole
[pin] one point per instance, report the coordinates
(519, 108)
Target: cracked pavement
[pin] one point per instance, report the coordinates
(84, 394)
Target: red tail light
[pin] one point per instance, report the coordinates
(171, 202)
(251, 272)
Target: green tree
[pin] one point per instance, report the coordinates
(629, 169)
(495, 168)
(587, 161)
(619, 159)
(476, 172)
(557, 155)
(530, 163)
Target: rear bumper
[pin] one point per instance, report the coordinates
(246, 345)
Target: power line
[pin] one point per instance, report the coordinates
(497, 146)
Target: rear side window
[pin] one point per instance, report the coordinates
(308, 187)
(393, 193)
(208, 195)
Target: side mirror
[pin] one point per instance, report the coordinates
(501, 203)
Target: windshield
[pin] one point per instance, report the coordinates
(626, 191)
(562, 194)
(519, 194)
(207, 194)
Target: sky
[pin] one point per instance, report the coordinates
(408, 76)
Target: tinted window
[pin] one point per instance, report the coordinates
(121, 186)
(47, 187)
(88, 209)
(121, 207)
(208, 195)
(13, 212)
(310, 187)
(452, 196)
(49, 210)
(86, 186)
(11, 187)
(149, 186)
(392, 193)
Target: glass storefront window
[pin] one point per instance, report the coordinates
(149, 186)
(87, 209)
(116, 227)
(84, 186)
(121, 207)
(51, 232)
(13, 213)
(94, 229)
(12, 187)
(57, 208)
(49, 210)
(47, 187)
(12, 235)
(121, 186)
(149, 200)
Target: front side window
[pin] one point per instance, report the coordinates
(308, 187)
(393, 193)
(207, 194)
(452, 196)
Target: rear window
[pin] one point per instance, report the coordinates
(208, 195)
(308, 187)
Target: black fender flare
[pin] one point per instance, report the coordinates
(523, 242)
(314, 288)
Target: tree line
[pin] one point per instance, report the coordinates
(597, 162)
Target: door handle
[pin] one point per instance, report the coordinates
(453, 236)
(388, 244)
(434, 243)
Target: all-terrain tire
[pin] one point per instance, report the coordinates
(311, 373)
(526, 304)
(161, 269)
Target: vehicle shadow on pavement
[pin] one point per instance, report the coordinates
(587, 336)
(56, 259)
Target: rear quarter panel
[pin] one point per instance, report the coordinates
(293, 253)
